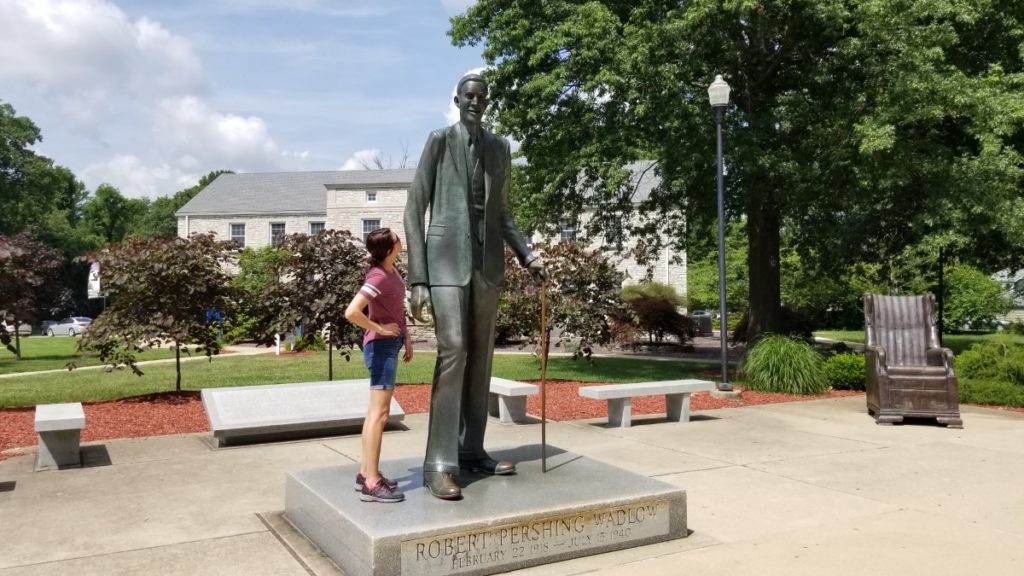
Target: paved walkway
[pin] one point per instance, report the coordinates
(806, 488)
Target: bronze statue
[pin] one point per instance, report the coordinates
(456, 267)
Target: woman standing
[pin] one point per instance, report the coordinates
(385, 334)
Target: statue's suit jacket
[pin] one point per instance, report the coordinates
(443, 255)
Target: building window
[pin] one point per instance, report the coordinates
(567, 231)
(370, 226)
(276, 233)
(238, 235)
(316, 228)
(371, 196)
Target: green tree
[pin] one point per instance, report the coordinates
(973, 298)
(111, 216)
(32, 188)
(859, 127)
(257, 270)
(29, 281)
(311, 289)
(18, 205)
(702, 271)
(159, 290)
(582, 297)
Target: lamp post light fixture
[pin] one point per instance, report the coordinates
(718, 93)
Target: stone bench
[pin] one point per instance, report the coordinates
(60, 430)
(247, 414)
(507, 399)
(620, 398)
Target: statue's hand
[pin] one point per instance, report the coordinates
(418, 299)
(537, 271)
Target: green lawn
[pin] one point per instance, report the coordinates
(92, 385)
(44, 353)
(955, 342)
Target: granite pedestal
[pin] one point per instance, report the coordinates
(578, 508)
(248, 414)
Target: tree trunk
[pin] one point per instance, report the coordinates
(765, 312)
(177, 366)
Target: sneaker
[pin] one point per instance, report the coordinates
(360, 480)
(380, 492)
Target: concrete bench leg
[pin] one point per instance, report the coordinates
(508, 409)
(677, 407)
(620, 412)
(492, 404)
(59, 449)
(512, 408)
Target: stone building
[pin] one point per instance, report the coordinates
(257, 209)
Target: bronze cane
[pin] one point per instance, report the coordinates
(543, 378)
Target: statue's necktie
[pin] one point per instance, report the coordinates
(476, 186)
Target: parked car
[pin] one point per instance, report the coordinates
(72, 326)
(24, 329)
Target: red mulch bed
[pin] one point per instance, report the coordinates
(149, 415)
(181, 413)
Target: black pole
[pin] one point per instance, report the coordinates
(330, 360)
(723, 329)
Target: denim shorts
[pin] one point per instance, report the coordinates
(381, 357)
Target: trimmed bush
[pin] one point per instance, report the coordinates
(995, 361)
(845, 371)
(654, 307)
(781, 364)
(992, 392)
(652, 290)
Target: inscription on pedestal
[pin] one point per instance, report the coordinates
(523, 543)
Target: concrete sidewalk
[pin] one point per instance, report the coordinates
(807, 488)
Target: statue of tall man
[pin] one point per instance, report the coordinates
(456, 267)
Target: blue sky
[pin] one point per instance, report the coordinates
(150, 95)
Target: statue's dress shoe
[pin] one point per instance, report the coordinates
(442, 485)
(488, 466)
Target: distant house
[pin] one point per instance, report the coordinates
(258, 209)
(1014, 284)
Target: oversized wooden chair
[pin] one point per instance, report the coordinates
(908, 373)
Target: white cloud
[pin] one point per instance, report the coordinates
(361, 159)
(129, 85)
(89, 50)
(127, 172)
(454, 7)
(188, 125)
(452, 114)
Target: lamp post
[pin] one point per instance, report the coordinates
(718, 93)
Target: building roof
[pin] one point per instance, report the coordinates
(304, 192)
(286, 192)
(644, 179)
